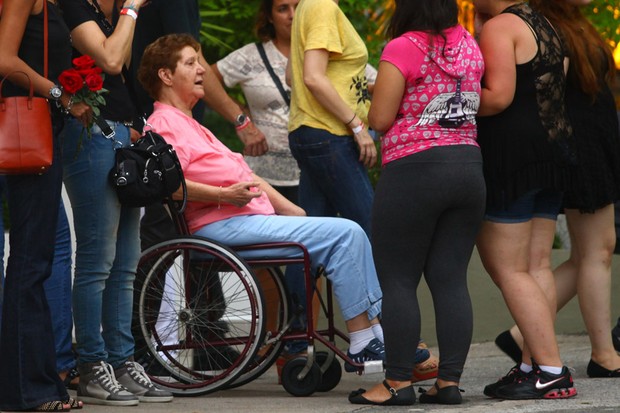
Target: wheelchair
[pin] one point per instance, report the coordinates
(208, 317)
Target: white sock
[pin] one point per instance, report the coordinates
(377, 330)
(550, 369)
(526, 368)
(360, 339)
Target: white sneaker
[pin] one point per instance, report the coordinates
(98, 385)
(134, 378)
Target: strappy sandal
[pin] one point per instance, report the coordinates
(75, 403)
(53, 406)
(69, 380)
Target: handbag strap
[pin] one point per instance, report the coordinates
(276, 79)
(45, 39)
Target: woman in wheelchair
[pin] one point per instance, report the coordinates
(231, 205)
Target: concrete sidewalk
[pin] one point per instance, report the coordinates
(485, 365)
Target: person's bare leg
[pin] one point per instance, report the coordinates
(359, 322)
(593, 237)
(541, 243)
(504, 250)
(588, 270)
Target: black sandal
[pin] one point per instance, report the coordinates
(53, 406)
(400, 397)
(72, 374)
(444, 395)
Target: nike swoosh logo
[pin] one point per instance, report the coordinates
(541, 386)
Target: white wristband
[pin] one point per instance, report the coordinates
(358, 128)
(129, 12)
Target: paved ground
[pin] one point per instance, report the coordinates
(485, 364)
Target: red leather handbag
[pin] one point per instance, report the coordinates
(26, 142)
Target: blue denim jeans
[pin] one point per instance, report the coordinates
(107, 246)
(58, 293)
(57, 287)
(28, 375)
(339, 245)
(2, 195)
(332, 181)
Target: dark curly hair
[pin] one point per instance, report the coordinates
(163, 53)
(263, 27)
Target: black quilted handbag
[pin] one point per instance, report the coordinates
(147, 171)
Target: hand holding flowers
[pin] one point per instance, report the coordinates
(85, 83)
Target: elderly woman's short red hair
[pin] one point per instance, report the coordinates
(163, 53)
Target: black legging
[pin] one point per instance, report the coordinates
(426, 214)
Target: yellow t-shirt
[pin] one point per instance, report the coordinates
(320, 24)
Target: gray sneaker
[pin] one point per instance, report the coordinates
(132, 375)
(98, 385)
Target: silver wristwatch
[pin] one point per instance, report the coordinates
(241, 119)
(55, 92)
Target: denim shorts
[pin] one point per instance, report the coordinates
(538, 203)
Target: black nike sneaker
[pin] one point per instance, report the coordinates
(513, 375)
(539, 384)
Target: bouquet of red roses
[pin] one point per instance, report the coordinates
(85, 82)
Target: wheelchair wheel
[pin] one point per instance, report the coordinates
(304, 387)
(276, 297)
(330, 373)
(201, 315)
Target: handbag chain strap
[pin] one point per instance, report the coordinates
(276, 79)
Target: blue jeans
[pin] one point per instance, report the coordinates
(58, 293)
(332, 181)
(537, 203)
(2, 194)
(339, 245)
(28, 375)
(57, 287)
(107, 246)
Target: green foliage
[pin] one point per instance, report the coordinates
(605, 15)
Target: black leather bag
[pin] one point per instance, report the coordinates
(147, 171)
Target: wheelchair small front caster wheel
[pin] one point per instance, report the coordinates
(332, 375)
(304, 387)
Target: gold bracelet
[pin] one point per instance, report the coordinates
(219, 198)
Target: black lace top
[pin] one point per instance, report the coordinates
(530, 145)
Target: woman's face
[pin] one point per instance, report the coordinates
(282, 17)
(188, 76)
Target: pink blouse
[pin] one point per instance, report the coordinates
(206, 160)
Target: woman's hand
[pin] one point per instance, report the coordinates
(240, 194)
(254, 141)
(82, 112)
(134, 135)
(368, 150)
